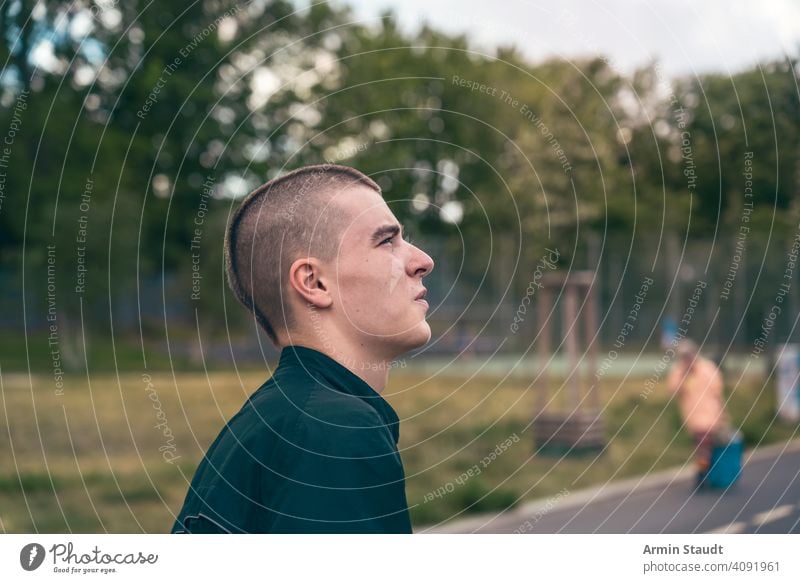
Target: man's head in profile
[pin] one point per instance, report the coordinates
(320, 260)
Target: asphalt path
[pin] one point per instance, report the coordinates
(766, 499)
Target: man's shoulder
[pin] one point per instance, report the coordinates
(332, 417)
(336, 423)
(278, 395)
(333, 405)
(307, 404)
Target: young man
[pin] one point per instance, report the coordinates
(319, 260)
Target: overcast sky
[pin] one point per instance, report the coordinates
(687, 36)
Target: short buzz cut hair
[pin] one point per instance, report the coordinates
(289, 215)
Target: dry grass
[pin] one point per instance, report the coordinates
(89, 460)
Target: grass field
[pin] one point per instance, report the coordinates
(89, 460)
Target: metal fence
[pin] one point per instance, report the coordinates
(730, 296)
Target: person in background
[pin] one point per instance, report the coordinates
(698, 385)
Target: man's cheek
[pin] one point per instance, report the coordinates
(395, 276)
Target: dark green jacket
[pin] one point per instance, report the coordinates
(313, 450)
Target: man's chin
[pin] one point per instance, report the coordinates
(421, 336)
(418, 336)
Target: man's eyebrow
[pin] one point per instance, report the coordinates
(384, 232)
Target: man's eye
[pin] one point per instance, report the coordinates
(406, 238)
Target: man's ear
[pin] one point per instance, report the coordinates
(307, 279)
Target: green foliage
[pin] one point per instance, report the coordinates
(151, 108)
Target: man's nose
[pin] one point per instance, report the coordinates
(421, 264)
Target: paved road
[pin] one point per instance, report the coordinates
(765, 500)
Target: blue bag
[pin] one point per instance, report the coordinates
(726, 461)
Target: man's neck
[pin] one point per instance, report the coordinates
(358, 359)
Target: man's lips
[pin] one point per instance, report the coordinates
(420, 299)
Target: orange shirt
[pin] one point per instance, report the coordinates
(699, 394)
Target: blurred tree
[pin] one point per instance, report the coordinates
(756, 111)
(137, 126)
(142, 123)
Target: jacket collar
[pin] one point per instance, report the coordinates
(334, 375)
